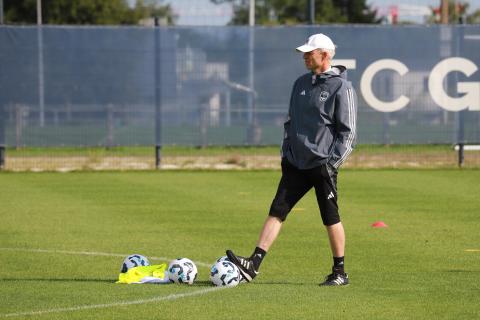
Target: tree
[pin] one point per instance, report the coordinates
(474, 18)
(280, 12)
(98, 12)
(358, 11)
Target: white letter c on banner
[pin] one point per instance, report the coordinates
(366, 85)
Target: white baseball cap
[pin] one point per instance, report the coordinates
(317, 41)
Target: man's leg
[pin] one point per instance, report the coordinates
(292, 187)
(326, 191)
(336, 235)
(249, 266)
(271, 229)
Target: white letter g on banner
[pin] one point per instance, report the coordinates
(471, 98)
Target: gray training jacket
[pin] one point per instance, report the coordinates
(321, 125)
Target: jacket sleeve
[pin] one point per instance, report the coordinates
(286, 124)
(292, 94)
(345, 125)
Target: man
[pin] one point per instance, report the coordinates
(319, 135)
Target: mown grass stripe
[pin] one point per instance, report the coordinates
(89, 253)
(117, 304)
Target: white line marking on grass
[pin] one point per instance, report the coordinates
(89, 253)
(117, 304)
(472, 250)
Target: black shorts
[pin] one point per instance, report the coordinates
(295, 183)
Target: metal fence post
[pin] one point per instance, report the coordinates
(461, 137)
(41, 76)
(18, 125)
(204, 113)
(311, 11)
(2, 135)
(2, 157)
(110, 126)
(460, 154)
(1, 11)
(386, 128)
(251, 112)
(461, 114)
(158, 97)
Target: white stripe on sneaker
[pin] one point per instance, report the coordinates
(245, 275)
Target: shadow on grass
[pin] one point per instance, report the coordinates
(261, 283)
(196, 284)
(202, 284)
(285, 283)
(58, 280)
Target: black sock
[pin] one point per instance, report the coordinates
(257, 257)
(338, 265)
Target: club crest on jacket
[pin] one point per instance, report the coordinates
(324, 95)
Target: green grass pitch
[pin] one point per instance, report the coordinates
(425, 265)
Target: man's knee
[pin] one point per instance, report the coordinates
(279, 211)
(330, 218)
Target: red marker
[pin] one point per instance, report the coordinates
(379, 224)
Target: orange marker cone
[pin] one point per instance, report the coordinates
(379, 224)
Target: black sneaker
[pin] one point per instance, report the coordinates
(245, 266)
(335, 279)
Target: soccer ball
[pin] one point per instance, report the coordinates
(224, 258)
(182, 270)
(134, 260)
(224, 273)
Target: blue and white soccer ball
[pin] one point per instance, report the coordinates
(225, 274)
(224, 258)
(134, 260)
(182, 270)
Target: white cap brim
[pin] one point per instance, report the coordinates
(305, 48)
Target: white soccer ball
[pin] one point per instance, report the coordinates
(182, 270)
(224, 258)
(225, 274)
(134, 260)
